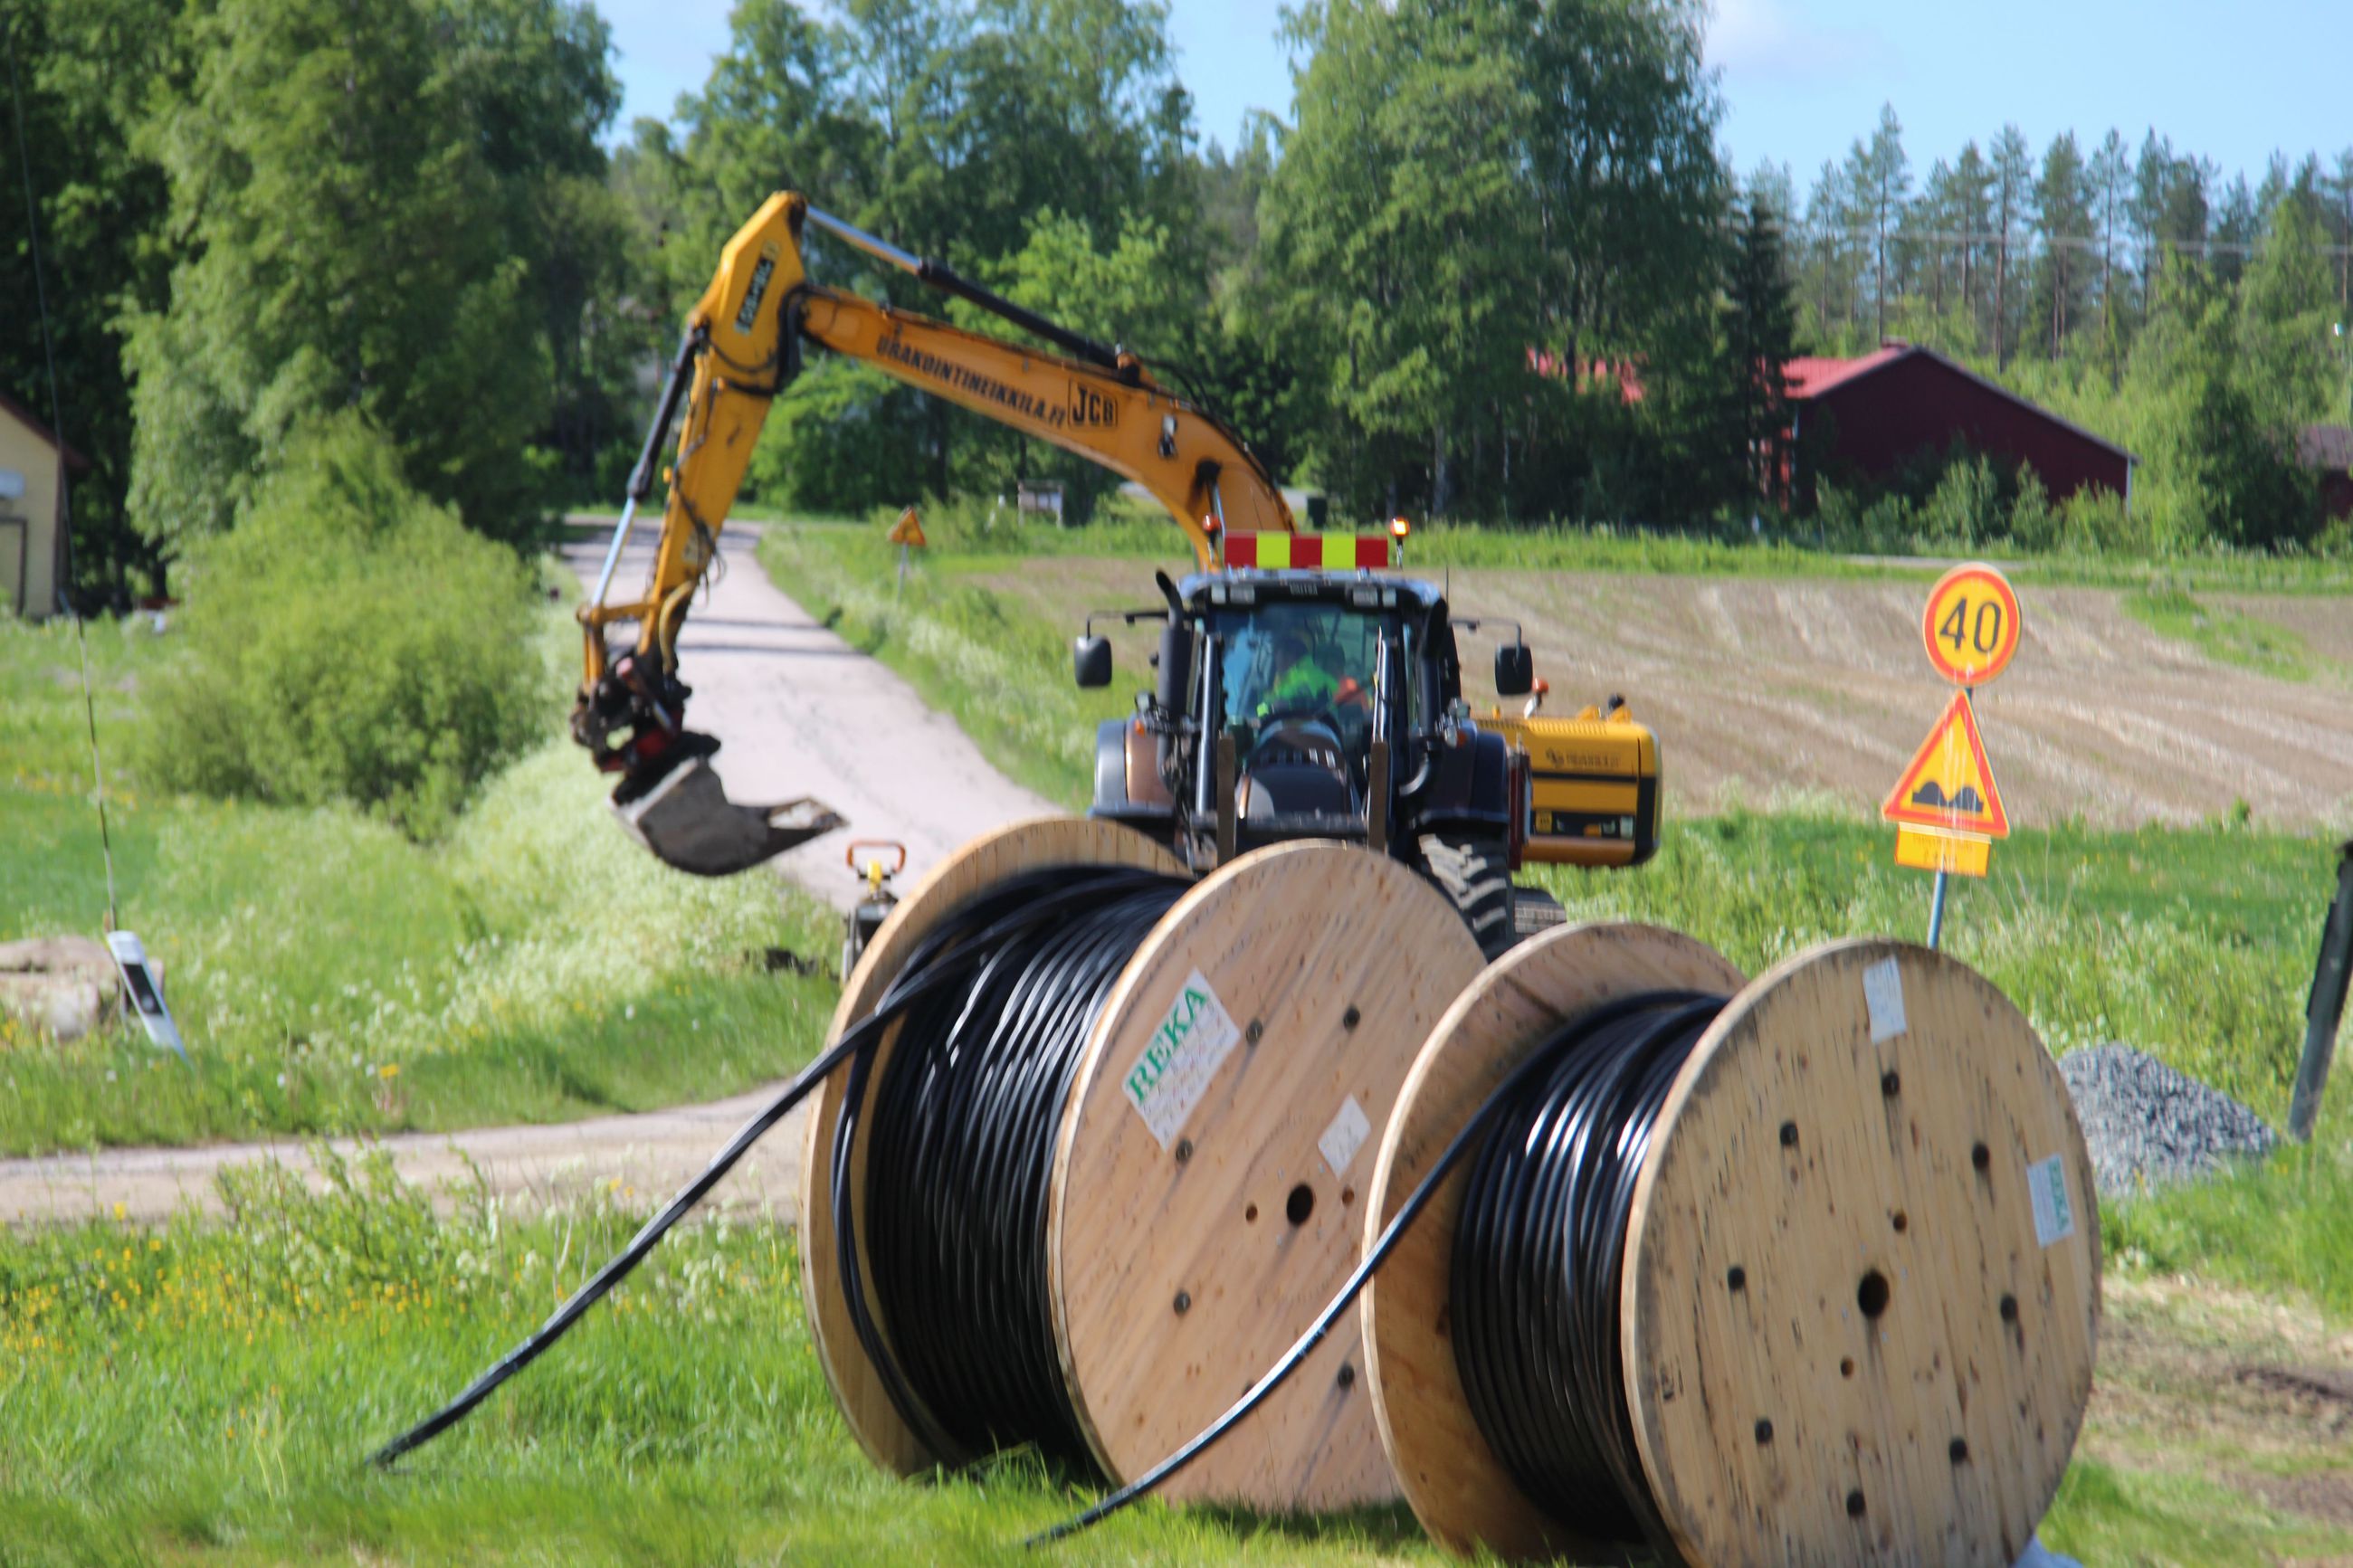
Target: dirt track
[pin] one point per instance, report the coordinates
(1759, 687)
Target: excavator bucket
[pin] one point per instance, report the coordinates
(690, 823)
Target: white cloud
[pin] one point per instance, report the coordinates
(1773, 40)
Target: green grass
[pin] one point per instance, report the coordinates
(206, 1395)
(2227, 637)
(333, 976)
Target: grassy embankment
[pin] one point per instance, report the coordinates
(333, 976)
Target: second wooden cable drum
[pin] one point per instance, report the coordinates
(1211, 1158)
(1858, 1294)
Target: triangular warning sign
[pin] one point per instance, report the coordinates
(908, 529)
(1949, 784)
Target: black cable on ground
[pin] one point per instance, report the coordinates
(1561, 1143)
(959, 965)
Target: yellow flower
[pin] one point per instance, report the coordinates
(388, 1071)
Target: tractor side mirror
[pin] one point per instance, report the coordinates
(1091, 661)
(1515, 669)
(1176, 666)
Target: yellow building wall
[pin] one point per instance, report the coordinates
(37, 585)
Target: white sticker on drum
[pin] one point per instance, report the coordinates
(1882, 994)
(2055, 1216)
(1345, 1136)
(1184, 1054)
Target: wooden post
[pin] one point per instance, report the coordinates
(2326, 1005)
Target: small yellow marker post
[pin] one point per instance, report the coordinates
(907, 533)
(1947, 809)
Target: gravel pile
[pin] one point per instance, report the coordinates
(2147, 1124)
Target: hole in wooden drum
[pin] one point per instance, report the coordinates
(1958, 1453)
(1250, 1215)
(1854, 1505)
(1982, 1158)
(2010, 1308)
(1763, 1432)
(1299, 1204)
(1890, 1085)
(1846, 1366)
(1871, 1294)
(1902, 1224)
(1736, 1279)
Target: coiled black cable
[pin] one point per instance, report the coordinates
(961, 1135)
(1539, 1256)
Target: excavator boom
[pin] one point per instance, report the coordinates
(742, 346)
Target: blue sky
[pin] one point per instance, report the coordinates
(1801, 79)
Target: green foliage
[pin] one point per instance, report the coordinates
(374, 208)
(350, 642)
(1443, 209)
(1122, 287)
(306, 951)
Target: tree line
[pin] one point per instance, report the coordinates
(2197, 320)
(1429, 288)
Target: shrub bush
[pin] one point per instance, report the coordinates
(349, 640)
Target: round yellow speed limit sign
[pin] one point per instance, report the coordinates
(1971, 625)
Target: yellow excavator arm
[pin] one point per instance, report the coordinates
(743, 344)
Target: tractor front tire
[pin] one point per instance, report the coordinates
(1476, 874)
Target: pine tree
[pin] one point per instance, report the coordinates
(2012, 171)
(1889, 174)
(1760, 332)
(2063, 214)
(2111, 173)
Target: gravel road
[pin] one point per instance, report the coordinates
(799, 712)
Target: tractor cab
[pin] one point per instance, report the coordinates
(1305, 703)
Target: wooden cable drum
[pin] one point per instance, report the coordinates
(987, 861)
(1208, 1163)
(1860, 1285)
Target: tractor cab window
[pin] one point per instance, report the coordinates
(1299, 663)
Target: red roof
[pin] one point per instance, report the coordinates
(1810, 377)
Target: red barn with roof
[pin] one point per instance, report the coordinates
(1874, 415)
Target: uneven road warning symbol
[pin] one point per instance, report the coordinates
(1971, 625)
(1949, 784)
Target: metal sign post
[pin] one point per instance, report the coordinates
(2326, 1008)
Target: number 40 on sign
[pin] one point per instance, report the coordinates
(1946, 807)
